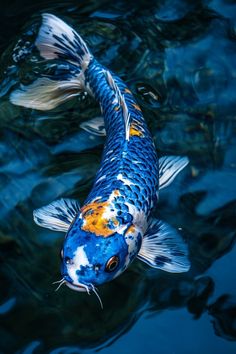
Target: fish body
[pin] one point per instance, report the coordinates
(114, 225)
(125, 188)
(125, 170)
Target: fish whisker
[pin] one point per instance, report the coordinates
(60, 285)
(96, 293)
(87, 289)
(58, 281)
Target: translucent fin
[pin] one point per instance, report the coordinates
(45, 94)
(169, 168)
(95, 126)
(163, 248)
(58, 215)
(56, 40)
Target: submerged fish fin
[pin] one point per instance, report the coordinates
(45, 94)
(58, 215)
(169, 168)
(120, 100)
(163, 248)
(56, 40)
(95, 126)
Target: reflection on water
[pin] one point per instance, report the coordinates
(178, 57)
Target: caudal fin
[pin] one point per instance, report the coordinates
(56, 40)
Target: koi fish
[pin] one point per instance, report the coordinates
(115, 225)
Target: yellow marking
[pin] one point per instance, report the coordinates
(117, 108)
(135, 131)
(127, 91)
(131, 229)
(136, 106)
(94, 220)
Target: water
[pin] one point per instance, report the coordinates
(178, 57)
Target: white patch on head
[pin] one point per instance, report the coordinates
(79, 260)
(80, 257)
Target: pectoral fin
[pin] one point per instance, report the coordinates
(163, 248)
(58, 215)
(169, 168)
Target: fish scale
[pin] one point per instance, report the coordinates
(129, 155)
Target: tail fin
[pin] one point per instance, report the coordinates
(56, 40)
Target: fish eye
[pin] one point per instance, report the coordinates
(112, 264)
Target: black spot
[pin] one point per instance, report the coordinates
(161, 260)
(82, 272)
(39, 220)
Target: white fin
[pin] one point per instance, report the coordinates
(169, 168)
(163, 248)
(56, 40)
(120, 101)
(95, 126)
(58, 215)
(45, 94)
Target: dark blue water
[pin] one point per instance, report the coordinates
(179, 59)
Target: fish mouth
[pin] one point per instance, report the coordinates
(84, 288)
(77, 287)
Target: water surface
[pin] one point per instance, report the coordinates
(178, 58)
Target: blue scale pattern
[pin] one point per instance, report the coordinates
(135, 159)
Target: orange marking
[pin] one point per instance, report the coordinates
(135, 131)
(117, 108)
(127, 90)
(115, 222)
(131, 229)
(136, 106)
(95, 222)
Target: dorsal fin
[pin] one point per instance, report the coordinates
(120, 101)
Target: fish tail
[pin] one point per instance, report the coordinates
(56, 40)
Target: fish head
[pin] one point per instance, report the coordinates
(89, 259)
